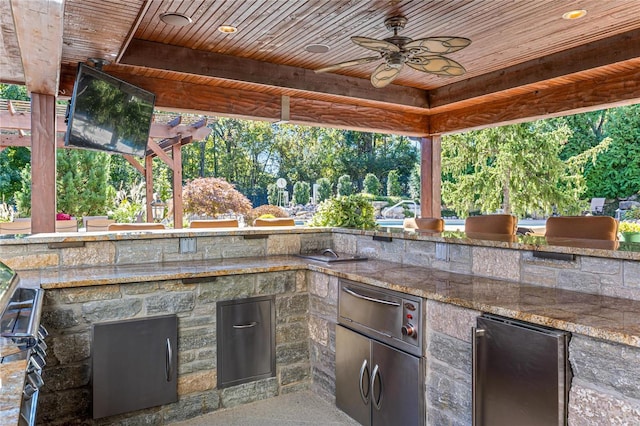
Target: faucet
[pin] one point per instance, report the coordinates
(329, 251)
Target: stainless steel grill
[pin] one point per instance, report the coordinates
(22, 337)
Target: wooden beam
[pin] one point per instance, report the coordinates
(619, 48)
(43, 163)
(160, 153)
(176, 153)
(430, 179)
(181, 59)
(367, 119)
(135, 163)
(226, 102)
(39, 28)
(618, 90)
(148, 179)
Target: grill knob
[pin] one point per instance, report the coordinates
(409, 330)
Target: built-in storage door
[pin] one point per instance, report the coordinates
(134, 364)
(246, 340)
(353, 372)
(396, 396)
(519, 374)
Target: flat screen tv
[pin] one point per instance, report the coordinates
(108, 114)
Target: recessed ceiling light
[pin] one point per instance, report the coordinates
(227, 29)
(176, 19)
(317, 48)
(574, 14)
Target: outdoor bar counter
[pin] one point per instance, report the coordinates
(591, 291)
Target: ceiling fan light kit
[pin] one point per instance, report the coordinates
(423, 54)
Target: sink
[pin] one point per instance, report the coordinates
(329, 256)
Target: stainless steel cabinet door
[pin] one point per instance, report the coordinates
(134, 364)
(519, 375)
(396, 379)
(353, 371)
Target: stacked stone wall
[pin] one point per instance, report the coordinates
(69, 314)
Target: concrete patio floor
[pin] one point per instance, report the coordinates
(300, 408)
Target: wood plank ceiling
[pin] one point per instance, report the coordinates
(524, 61)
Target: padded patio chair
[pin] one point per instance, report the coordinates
(98, 224)
(67, 225)
(214, 223)
(278, 221)
(434, 224)
(582, 227)
(135, 226)
(16, 227)
(503, 224)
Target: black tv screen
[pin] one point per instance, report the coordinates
(108, 114)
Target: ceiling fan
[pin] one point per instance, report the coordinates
(424, 54)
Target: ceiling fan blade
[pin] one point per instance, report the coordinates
(384, 75)
(375, 44)
(348, 64)
(439, 45)
(436, 65)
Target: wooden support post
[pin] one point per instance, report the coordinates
(148, 178)
(43, 163)
(176, 153)
(430, 180)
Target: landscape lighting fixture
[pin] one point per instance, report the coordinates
(574, 14)
(227, 29)
(176, 19)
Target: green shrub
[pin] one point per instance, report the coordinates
(272, 194)
(634, 213)
(394, 188)
(351, 211)
(345, 186)
(301, 193)
(372, 184)
(325, 189)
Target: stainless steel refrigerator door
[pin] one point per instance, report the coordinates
(397, 396)
(519, 375)
(353, 371)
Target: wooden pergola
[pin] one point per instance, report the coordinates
(525, 62)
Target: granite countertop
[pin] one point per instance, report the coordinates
(607, 318)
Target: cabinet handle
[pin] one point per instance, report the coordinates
(476, 333)
(370, 299)
(168, 360)
(364, 373)
(377, 401)
(249, 325)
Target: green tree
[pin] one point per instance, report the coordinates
(372, 184)
(272, 194)
(81, 184)
(616, 170)
(325, 189)
(515, 168)
(23, 197)
(12, 161)
(301, 193)
(394, 188)
(345, 186)
(414, 182)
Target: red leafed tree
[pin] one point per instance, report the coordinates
(213, 197)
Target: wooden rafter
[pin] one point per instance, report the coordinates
(39, 29)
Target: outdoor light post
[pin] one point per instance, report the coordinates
(157, 209)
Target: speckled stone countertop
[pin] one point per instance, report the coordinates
(607, 318)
